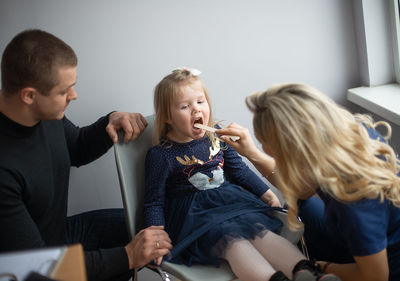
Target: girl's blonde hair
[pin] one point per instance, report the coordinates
(165, 93)
(317, 143)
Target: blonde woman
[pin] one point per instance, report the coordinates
(316, 147)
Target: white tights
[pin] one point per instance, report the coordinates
(259, 259)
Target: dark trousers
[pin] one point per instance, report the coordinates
(321, 244)
(99, 229)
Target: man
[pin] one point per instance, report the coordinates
(38, 144)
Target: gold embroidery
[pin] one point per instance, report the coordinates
(188, 161)
(214, 149)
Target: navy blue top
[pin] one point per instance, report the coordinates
(165, 174)
(366, 226)
(204, 195)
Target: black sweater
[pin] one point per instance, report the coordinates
(34, 175)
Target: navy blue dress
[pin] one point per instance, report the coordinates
(188, 191)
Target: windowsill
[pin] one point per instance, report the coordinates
(383, 100)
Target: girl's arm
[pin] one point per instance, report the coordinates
(367, 268)
(242, 175)
(246, 147)
(156, 173)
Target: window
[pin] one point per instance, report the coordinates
(395, 24)
(377, 29)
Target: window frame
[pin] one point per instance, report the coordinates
(381, 91)
(395, 28)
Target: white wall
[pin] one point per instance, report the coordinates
(125, 47)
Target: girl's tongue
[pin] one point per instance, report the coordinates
(199, 121)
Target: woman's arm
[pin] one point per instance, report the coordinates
(367, 268)
(246, 147)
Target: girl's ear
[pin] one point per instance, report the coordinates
(28, 95)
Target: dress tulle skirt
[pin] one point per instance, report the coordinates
(201, 224)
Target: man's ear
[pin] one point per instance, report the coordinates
(28, 95)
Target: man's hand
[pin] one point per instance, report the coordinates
(150, 244)
(133, 125)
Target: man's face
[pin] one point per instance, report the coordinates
(53, 106)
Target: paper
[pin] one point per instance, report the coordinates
(21, 263)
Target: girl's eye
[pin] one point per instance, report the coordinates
(200, 101)
(184, 106)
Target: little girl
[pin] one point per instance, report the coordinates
(212, 205)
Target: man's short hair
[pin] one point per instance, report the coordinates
(32, 59)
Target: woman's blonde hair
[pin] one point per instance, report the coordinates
(165, 93)
(317, 143)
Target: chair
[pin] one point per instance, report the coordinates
(130, 159)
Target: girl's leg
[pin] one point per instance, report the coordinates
(279, 252)
(247, 263)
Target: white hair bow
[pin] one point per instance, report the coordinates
(194, 71)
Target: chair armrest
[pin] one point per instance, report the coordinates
(293, 236)
(163, 275)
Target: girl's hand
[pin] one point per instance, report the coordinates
(271, 199)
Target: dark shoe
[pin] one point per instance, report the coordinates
(306, 270)
(304, 275)
(279, 276)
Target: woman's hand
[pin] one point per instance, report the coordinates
(245, 145)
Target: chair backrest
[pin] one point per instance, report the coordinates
(130, 158)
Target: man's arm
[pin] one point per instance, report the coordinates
(18, 230)
(88, 143)
(150, 244)
(103, 264)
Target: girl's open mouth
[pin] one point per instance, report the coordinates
(198, 121)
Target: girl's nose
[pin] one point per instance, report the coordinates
(196, 108)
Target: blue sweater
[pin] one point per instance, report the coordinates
(169, 172)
